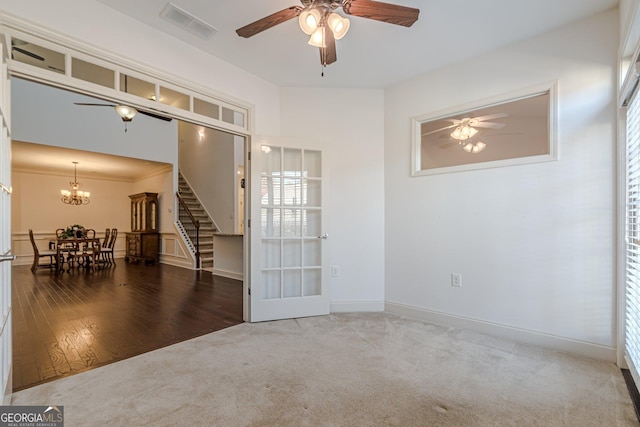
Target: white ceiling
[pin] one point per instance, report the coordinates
(373, 54)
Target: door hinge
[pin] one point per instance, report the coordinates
(249, 289)
(249, 154)
(248, 223)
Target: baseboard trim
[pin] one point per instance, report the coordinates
(227, 274)
(176, 262)
(356, 306)
(582, 348)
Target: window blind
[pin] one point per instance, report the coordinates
(632, 237)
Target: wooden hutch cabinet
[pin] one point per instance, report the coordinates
(144, 238)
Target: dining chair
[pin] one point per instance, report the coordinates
(107, 252)
(105, 242)
(37, 254)
(91, 249)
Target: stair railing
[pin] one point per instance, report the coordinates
(196, 224)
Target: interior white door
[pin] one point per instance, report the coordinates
(5, 230)
(288, 234)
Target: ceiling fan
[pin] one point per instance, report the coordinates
(464, 129)
(126, 112)
(324, 26)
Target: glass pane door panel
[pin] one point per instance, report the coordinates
(138, 87)
(270, 191)
(311, 223)
(292, 162)
(271, 284)
(206, 108)
(270, 219)
(312, 164)
(292, 253)
(174, 98)
(311, 254)
(312, 284)
(292, 280)
(292, 191)
(292, 223)
(271, 254)
(271, 162)
(92, 73)
(312, 193)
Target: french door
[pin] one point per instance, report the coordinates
(288, 235)
(5, 231)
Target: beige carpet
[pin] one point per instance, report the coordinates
(370, 369)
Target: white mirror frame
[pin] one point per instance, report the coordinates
(416, 134)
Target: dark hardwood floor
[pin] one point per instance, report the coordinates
(66, 323)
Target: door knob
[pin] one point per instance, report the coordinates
(323, 236)
(7, 257)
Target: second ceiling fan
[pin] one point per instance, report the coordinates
(126, 112)
(318, 19)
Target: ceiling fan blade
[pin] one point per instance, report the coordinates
(155, 116)
(145, 112)
(391, 13)
(439, 130)
(26, 52)
(269, 21)
(328, 54)
(489, 125)
(491, 116)
(95, 105)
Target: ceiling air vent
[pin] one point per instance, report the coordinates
(184, 19)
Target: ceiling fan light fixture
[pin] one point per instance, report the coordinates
(339, 25)
(474, 148)
(463, 132)
(309, 20)
(125, 112)
(317, 38)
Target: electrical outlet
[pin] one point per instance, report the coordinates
(335, 270)
(456, 280)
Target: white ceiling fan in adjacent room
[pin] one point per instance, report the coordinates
(126, 112)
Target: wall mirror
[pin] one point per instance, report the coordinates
(513, 129)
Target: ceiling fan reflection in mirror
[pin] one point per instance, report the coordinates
(318, 19)
(464, 130)
(126, 112)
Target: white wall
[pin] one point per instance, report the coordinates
(46, 115)
(534, 243)
(208, 165)
(35, 204)
(95, 24)
(348, 125)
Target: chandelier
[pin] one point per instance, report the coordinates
(75, 197)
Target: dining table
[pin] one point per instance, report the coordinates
(77, 252)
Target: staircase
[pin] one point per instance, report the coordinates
(207, 227)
